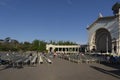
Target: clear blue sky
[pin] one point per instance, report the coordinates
(27, 20)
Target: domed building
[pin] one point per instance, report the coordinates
(104, 33)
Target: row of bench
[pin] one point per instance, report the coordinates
(16, 60)
(79, 58)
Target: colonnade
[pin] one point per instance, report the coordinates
(63, 48)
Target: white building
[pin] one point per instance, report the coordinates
(63, 48)
(104, 34)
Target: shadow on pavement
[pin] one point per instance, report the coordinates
(4, 67)
(8, 67)
(113, 65)
(114, 73)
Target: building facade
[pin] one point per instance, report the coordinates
(104, 34)
(63, 48)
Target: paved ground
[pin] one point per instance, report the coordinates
(62, 70)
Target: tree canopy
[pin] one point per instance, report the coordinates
(9, 44)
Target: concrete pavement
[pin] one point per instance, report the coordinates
(61, 70)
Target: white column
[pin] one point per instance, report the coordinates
(65, 50)
(69, 50)
(119, 34)
(53, 49)
(107, 44)
(61, 49)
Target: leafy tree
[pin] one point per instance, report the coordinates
(26, 46)
(42, 46)
(35, 45)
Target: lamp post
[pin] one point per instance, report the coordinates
(107, 44)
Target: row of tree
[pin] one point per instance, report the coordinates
(9, 44)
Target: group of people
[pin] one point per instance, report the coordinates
(112, 59)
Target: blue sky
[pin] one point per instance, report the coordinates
(27, 20)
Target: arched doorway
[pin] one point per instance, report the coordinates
(51, 49)
(103, 41)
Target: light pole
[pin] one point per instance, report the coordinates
(107, 44)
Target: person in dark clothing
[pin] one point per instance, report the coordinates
(112, 59)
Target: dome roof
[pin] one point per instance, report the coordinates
(115, 8)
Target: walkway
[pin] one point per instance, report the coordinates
(61, 70)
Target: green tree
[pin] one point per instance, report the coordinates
(35, 45)
(39, 45)
(42, 46)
